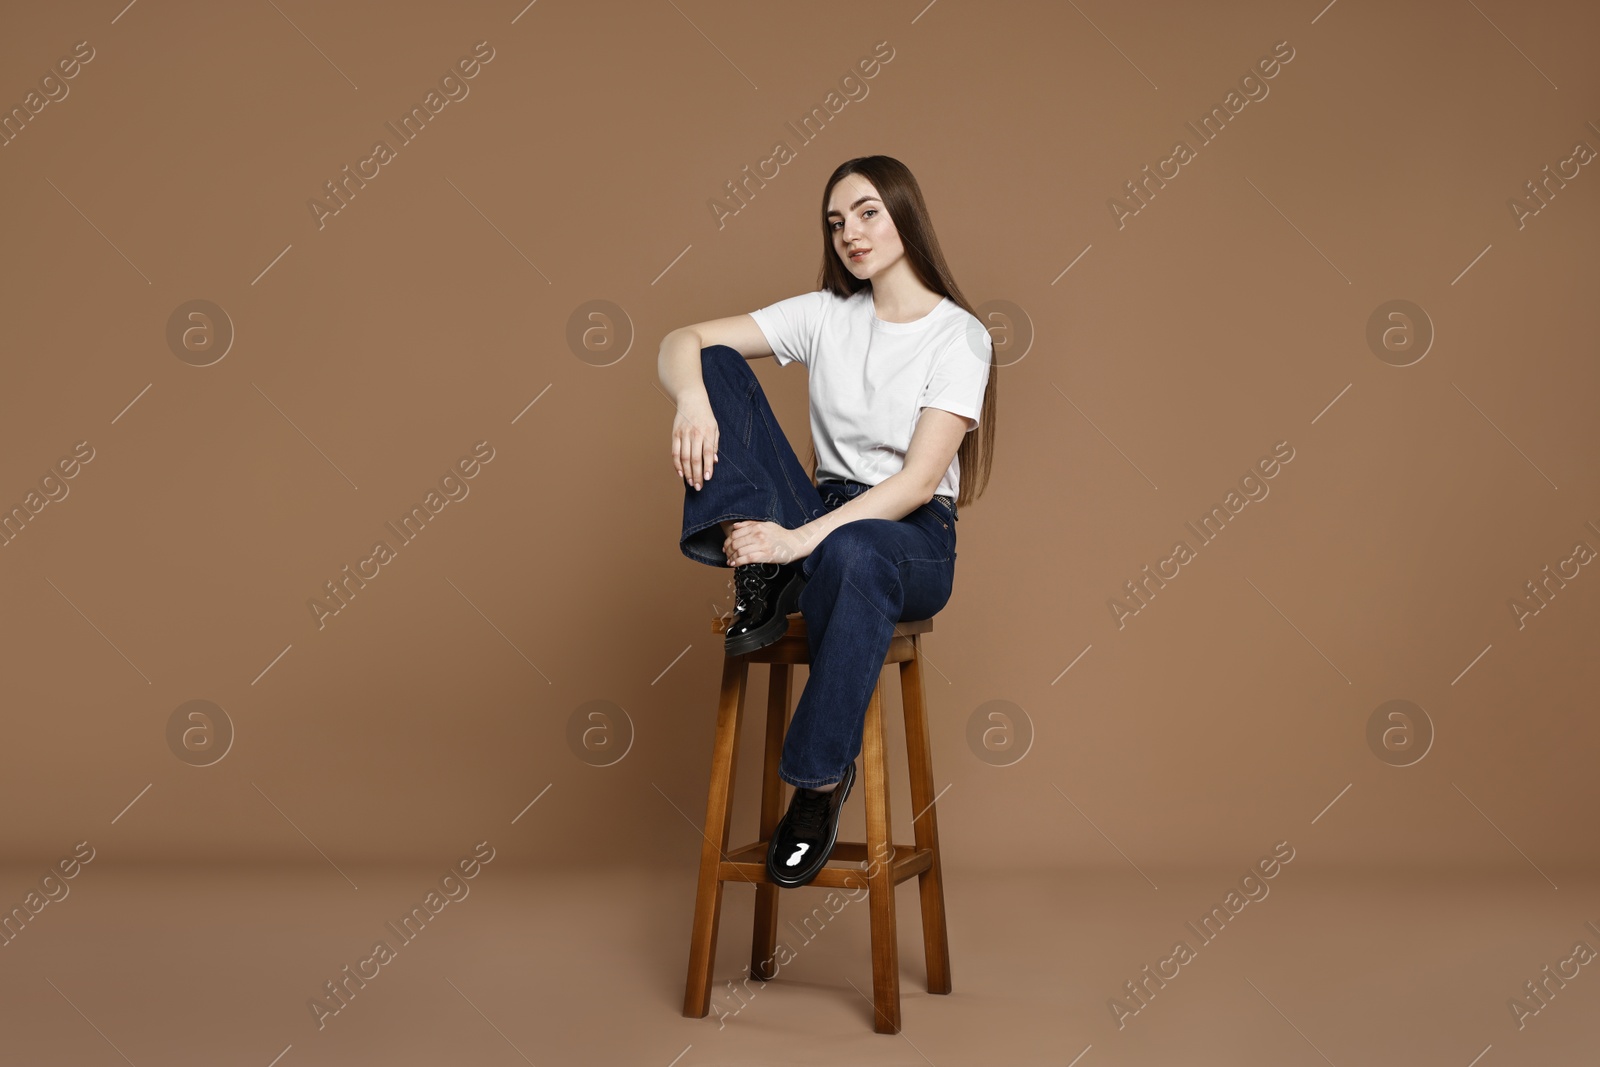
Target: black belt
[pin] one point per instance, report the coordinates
(949, 502)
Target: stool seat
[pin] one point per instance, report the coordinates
(851, 865)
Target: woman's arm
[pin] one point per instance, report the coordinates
(893, 498)
(678, 365)
(933, 448)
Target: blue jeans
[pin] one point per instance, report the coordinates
(860, 580)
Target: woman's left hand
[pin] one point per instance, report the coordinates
(752, 541)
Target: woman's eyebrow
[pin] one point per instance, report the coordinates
(858, 202)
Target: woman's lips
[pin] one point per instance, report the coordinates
(857, 257)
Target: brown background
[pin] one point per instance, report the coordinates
(1137, 387)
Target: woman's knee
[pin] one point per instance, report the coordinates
(851, 546)
(721, 358)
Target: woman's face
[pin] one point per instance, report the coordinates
(864, 236)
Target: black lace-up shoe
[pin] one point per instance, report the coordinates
(806, 834)
(764, 595)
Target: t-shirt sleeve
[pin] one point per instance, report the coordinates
(961, 374)
(792, 326)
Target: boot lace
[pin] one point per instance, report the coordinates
(750, 584)
(808, 812)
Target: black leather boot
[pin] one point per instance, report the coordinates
(806, 834)
(764, 595)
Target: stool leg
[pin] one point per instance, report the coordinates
(764, 942)
(880, 876)
(925, 827)
(719, 801)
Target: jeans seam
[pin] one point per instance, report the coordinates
(783, 467)
(737, 515)
(749, 412)
(808, 782)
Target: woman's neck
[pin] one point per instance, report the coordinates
(899, 296)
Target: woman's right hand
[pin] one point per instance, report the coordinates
(694, 440)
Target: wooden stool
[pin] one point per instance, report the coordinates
(876, 862)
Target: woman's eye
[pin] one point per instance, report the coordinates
(837, 223)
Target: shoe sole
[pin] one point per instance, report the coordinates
(776, 627)
(833, 839)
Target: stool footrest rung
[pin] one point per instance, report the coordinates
(846, 867)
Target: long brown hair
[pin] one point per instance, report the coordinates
(902, 198)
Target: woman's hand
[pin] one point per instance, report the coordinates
(753, 541)
(694, 439)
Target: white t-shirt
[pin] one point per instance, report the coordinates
(869, 379)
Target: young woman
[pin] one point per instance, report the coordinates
(899, 376)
